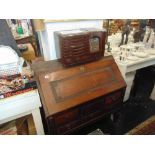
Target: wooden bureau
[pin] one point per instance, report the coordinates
(75, 97)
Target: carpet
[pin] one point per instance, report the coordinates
(145, 128)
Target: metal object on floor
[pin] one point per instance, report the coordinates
(96, 132)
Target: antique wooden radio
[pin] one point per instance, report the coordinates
(78, 96)
(79, 46)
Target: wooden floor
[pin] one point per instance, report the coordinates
(22, 126)
(25, 126)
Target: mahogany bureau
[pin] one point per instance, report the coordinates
(78, 96)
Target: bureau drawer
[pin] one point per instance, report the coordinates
(113, 99)
(66, 117)
(93, 107)
(67, 127)
(92, 116)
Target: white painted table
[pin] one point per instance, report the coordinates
(128, 70)
(21, 105)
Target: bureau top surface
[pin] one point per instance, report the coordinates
(69, 87)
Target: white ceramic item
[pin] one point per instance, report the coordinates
(7, 55)
(133, 58)
(151, 51)
(141, 54)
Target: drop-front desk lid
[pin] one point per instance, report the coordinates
(70, 87)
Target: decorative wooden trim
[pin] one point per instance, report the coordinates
(55, 84)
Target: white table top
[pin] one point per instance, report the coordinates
(131, 65)
(19, 104)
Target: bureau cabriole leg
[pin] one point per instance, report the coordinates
(38, 121)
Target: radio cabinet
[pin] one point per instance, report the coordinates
(79, 46)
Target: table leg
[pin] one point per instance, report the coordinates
(153, 94)
(129, 81)
(38, 121)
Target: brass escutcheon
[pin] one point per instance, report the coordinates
(82, 69)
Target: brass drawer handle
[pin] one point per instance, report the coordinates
(82, 69)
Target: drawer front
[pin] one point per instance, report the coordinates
(92, 116)
(92, 110)
(93, 107)
(69, 120)
(67, 127)
(67, 117)
(113, 99)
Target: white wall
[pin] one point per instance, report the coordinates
(49, 51)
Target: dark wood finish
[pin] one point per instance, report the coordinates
(28, 39)
(23, 40)
(78, 48)
(75, 97)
